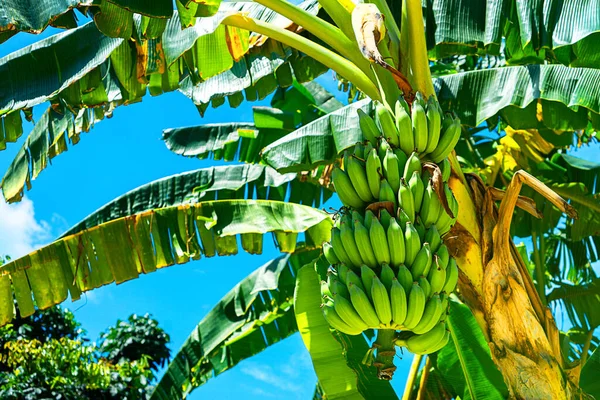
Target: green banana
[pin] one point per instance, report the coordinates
(387, 124)
(417, 189)
(406, 200)
(451, 277)
(420, 228)
(352, 278)
(325, 292)
(412, 164)
(402, 159)
(379, 242)
(432, 236)
(402, 217)
(442, 343)
(419, 123)
(387, 275)
(385, 218)
(405, 278)
(347, 236)
(366, 276)
(330, 254)
(345, 219)
(342, 273)
(381, 301)
(399, 303)
(384, 146)
(422, 262)
(416, 306)
(374, 173)
(368, 127)
(434, 124)
(444, 298)
(448, 141)
(359, 153)
(446, 169)
(338, 247)
(337, 287)
(444, 256)
(404, 127)
(369, 216)
(363, 306)
(431, 206)
(363, 242)
(386, 193)
(358, 177)
(431, 315)
(395, 238)
(436, 276)
(391, 170)
(421, 344)
(356, 216)
(425, 285)
(412, 243)
(337, 323)
(345, 189)
(348, 314)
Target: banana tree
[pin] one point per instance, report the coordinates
(545, 94)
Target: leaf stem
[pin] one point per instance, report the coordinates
(325, 31)
(586, 347)
(412, 376)
(340, 12)
(424, 376)
(418, 62)
(325, 56)
(540, 271)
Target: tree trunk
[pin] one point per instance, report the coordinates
(496, 285)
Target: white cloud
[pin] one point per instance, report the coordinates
(265, 373)
(20, 232)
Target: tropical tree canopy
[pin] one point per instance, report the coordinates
(518, 79)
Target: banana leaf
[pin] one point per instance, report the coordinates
(589, 375)
(255, 314)
(580, 302)
(318, 336)
(124, 248)
(214, 183)
(465, 364)
(336, 379)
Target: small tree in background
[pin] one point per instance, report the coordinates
(48, 356)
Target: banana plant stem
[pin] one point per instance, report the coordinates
(412, 376)
(325, 56)
(325, 31)
(424, 376)
(586, 346)
(539, 268)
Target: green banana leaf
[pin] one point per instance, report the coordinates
(465, 363)
(354, 347)
(511, 93)
(255, 314)
(44, 70)
(588, 380)
(581, 303)
(121, 249)
(213, 183)
(318, 142)
(532, 32)
(336, 379)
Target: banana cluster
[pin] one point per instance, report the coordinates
(389, 175)
(384, 276)
(389, 266)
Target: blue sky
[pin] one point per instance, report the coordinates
(118, 155)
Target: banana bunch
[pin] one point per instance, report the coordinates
(386, 277)
(389, 266)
